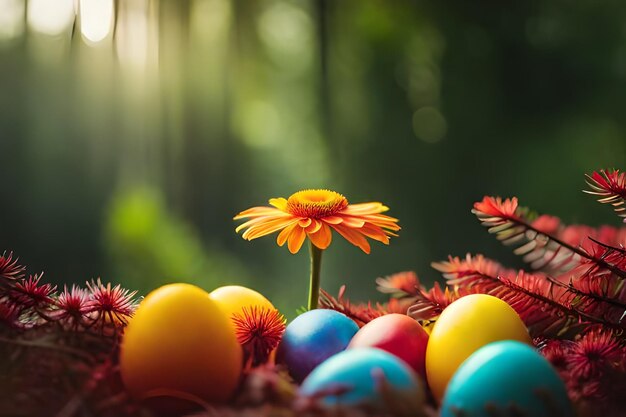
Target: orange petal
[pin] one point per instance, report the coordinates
(332, 219)
(279, 203)
(259, 211)
(314, 226)
(379, 218)
(353, 236)
(296, 239)
(304, 223)
(353, 222)
(375, 232)
(383, 221)
(322, 237)
(263, 229)
(365, 208)
(284, 234)
(256, 220)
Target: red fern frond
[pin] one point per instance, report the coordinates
(360, 313)
(456, 268)
(397, 305)
(400, 284)
(542, 250)
(429, 304)
(9, 268)
(547, 306)
(610, 187)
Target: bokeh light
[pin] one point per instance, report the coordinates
(51, 17)
(429, 124)
(11, 18)
(96, 19)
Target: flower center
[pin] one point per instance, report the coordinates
(316, 203)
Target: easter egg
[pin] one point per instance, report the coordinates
(363, 376)
(313, 337)
(463, 327)
(506, 378)
(233, 298)
(397, 334)
(180, 343)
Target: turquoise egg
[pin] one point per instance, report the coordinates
(313, 337)
(354, 377)
(506, 378)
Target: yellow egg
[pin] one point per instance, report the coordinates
(233, 298)
(464, 326)
(180, 343)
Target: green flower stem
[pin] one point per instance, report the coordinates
(314, 283)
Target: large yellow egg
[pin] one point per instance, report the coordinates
(463, 327)
(233, 298)
(180, 343)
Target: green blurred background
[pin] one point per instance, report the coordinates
(132, 131)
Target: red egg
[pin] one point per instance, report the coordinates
(397, 334)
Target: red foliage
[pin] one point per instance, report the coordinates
(548, 307)
(429, 304)
(258, 331)
(111, 304)
(73, 305)
(360, 313)
(400, 284)
(9, 268)
(496, 208)
(52, 358)
(593, 369)
(610, 187)
(29, 293)
(546, 224)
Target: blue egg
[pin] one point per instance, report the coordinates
(354, 377)
(313, 337)
(504, 376)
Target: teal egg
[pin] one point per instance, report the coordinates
(506, 378)
(354, 378)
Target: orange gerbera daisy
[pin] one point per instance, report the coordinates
(314, 213)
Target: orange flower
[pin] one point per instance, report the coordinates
(314, 213)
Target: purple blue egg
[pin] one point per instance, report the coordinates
(356, 377)
(313, 337)
(506, 378)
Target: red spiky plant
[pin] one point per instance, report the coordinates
(57, 350)
(572, 298)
